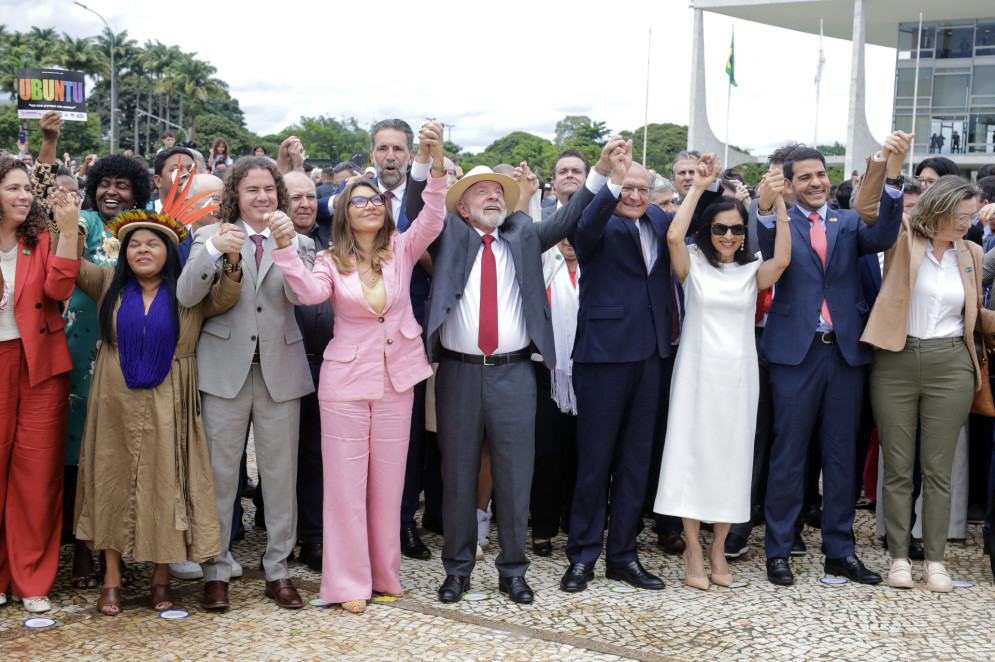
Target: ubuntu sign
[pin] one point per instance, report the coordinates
(42, 90)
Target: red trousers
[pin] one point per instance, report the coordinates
(32, 454)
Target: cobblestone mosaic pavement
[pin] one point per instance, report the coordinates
(809, 621)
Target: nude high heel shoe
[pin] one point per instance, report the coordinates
(719, 578)
(700, 581)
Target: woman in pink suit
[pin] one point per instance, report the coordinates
(370, 368)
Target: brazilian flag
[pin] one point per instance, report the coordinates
(731, 63)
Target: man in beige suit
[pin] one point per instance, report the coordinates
(253, 368)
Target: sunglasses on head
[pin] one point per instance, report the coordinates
(362, 200)
(737, 230)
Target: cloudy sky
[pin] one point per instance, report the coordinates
(492, 69)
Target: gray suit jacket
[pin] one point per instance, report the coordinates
(264, 315)
(454, 252)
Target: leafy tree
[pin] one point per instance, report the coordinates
(664, 142)
(328, 138)
(575, 131)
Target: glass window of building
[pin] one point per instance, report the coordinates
(955, 41)
(984, 38)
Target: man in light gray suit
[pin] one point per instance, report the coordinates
(485, 383)
(252, 366)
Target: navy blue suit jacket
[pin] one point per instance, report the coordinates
(625, 314)
(870, 278)
(794, 312)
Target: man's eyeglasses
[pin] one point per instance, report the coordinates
(641, 190)
(362, 200)
(737, 230)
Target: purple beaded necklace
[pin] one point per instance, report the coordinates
(146, 343)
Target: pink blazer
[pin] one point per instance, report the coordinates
(354, 359)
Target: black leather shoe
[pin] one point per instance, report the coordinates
(813, 516)
(635, 574)
(454, 587)
(576, 577)
(517, 589)
(311, 555)
(431, 523)
(542, 548)
(798, 547)
(671, 542)
(779, 571)
(735, 546)
(916, 550)
(851, 568)
(412, 546)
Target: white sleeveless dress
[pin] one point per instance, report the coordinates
(707, 461)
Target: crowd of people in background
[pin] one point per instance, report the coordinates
(548, 352)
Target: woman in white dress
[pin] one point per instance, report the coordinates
(708, 454)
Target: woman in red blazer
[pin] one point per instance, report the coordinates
(34, 389)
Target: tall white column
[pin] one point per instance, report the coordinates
(859, 141)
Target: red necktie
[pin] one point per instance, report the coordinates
(487, 338)
(258, 240)
(389, 197)
(817, 234)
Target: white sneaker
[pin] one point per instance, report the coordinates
(900, 575)
(186, 570)
(480, 553)
(937, 579)
(483, 528)
(236, 569)
(37, 604)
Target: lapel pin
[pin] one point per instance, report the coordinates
(833, 219)
(26, 251)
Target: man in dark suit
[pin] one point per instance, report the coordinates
(624, 329)
(315, 323)
(488, 312)
(812, 344)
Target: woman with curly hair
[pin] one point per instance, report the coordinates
(113, 184)
(34, 386)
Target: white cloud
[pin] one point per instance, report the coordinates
(514, 66)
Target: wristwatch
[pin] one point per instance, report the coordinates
(228, 267)
(897, 182)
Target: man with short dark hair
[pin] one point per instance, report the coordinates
(569, 174)
(816, 361)
(168, 163)
(684, 165)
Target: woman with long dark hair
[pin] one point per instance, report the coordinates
(145, 488)
(34, 387)
(708, 458)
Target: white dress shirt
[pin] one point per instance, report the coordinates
(460, 332)
(216, 255)
(937, 304)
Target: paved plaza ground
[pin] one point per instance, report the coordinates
(809, 621)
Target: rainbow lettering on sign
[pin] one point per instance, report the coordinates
(45, 89)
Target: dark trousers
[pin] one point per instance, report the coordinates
(499, 401)
(555, 460)
(822, 393)
(309, 472)
(661, 523)
(423, 471)
(616, 405)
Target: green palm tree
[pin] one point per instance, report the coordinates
(81, 54)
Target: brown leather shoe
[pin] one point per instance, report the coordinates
(215, 595)
(284, 594)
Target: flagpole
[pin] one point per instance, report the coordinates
(646, 116)
(725, 157)
(818, 85)
(915, 93)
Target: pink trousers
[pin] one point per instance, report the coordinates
(364, 447)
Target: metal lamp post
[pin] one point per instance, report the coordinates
(113, 78)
